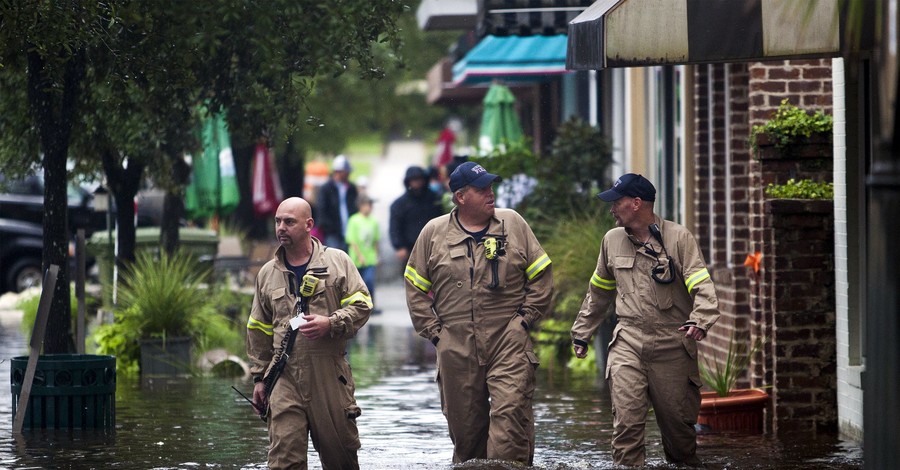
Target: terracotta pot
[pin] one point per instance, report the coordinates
(741, 411)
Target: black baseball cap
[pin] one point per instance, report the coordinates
(630, 185)
(471, 174)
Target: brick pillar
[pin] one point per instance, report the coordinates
(798, 285)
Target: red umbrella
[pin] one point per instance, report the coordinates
(266, 187)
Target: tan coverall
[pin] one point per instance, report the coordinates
(485, 358)
(314, 395)
(650, 362)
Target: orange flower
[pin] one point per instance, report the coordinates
(753, 261)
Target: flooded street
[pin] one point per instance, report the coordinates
(198, 423)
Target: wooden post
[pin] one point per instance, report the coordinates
(37, 343)
(79, 290)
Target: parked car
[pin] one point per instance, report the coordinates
(20, 255)
(21, 228)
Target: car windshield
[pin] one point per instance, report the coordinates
(34, 186)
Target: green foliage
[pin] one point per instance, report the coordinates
(722, 376)
(789, 123)
(161, 298)
(551, 341)
(571, 175)
(29, 307)
(802, 189)
(573, 244)
(509, 159)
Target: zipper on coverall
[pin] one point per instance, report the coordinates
(471, 269)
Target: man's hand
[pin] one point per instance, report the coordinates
(693, 332)
(402, 254)
(580, 351)
(316, 326)
(259, 397)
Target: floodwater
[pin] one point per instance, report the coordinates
(201, 423)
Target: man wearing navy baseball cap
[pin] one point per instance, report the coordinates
(477, 281)
(666, 302)
(471, 174)
(630, 185)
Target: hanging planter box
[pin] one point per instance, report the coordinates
(741, 411)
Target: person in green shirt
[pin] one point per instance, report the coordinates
(362, 243)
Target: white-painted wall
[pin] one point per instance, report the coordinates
(849, 389)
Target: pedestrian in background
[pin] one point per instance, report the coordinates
(666, 301)
(336, 202)
(477, 281)
(411, 211)
(362, 241)
(309, 301)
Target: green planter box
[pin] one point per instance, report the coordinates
(70, 391)
(165, 357)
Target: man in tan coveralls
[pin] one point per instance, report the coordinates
(314, 394)
(666, 302)
(476, 282)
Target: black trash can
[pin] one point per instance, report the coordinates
(70, 391)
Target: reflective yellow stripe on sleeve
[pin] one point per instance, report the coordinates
(538, 266)
(253, 324)
(356, 297)
(420, 282)
(605, 284)
(696, 278)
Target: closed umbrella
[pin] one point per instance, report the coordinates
(266, 187)
(500, 124)
(213, 190)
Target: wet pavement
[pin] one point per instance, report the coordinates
(201, 423)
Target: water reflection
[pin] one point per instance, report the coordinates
(202, 423)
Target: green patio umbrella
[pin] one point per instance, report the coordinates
(213, 189)
(500, 124)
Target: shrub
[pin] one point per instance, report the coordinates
(802, 189)
(163, 298)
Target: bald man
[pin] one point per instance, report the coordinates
(314, 294)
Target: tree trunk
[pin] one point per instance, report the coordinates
(123, 183)
(54, 115)
(173, 205)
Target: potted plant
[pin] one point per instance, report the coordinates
(725, 408)
(162, 308)
(791, 125)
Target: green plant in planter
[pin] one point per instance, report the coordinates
(722, 376)
(790, 123)
(802, 189)
(158, 298)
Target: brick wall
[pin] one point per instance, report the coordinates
(749, 94)
(798, 283)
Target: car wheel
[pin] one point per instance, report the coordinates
(25, 273)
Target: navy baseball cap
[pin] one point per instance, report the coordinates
(471, 174)
(630, 185)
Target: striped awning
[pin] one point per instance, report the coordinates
(512, 58)
(626, 33)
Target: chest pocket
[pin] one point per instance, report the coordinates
(624, 269)
(459, 265)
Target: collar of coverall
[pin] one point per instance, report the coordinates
(316, 262)
(658, 221)
(457, 234)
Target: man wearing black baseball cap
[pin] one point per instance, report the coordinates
(477, 280)
(654, 272)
